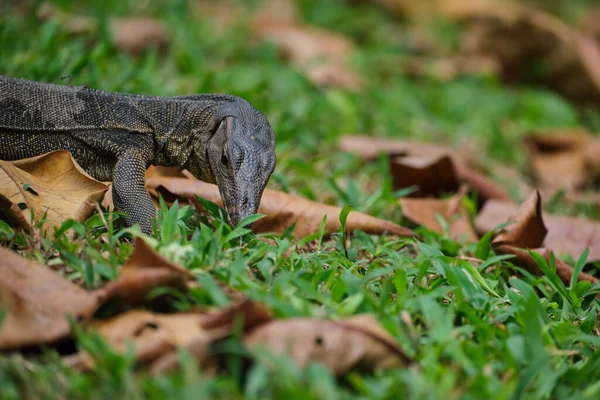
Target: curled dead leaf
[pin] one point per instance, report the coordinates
(356, 342)
(52, 185)
(281, 209)
(434, 169)
(528, 232)
(423, 211)
(433, 176)
(38, 303)
(528, 229)
(565, 234)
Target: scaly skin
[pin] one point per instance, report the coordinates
(220, 139)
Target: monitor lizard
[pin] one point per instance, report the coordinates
(115, 137)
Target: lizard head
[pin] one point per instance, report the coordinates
(241, 158)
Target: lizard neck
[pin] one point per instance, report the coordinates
(188, 133)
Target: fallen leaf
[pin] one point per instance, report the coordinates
(434, 169)
(218, 324)
(52, 185)
(143, 272)
(156, 338)
(152, 335)
(423, 211)
(565, 234)
(590, 24)
(356, 342)
(281, 209)
(528, 229)
(369, 148)
(38, 303)
(322, 55)
(564, 160)
(250, 312)
(528, 232)
(132, 34)
(136, 34)
(484, 186)
(433, 176)
(155, 171)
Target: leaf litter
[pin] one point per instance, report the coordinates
(559, 162)
(281, 209)
(51, 187)
(40, 305)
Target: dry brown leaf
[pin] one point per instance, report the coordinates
(528, 232)
(155, 171)
(433, 176)
(218, 324)
(423, 211)
(132, 34)
(356, 342)
(564, 160)
(590, 24)
(56, 186)
(528, 229)
(151, 335)
(565, 234)
(369, 147)
(322, 55)
(251, 313)
(135, 34)
(157, 337)
(281, 209)
(38, 302)
(144, 271)
(433, 168)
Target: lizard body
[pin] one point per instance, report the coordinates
(220, 139)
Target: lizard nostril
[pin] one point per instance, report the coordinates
(245, 202)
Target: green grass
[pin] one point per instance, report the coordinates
(475, 331)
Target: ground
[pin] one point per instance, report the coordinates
(467, 343)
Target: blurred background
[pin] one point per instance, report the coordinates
(476, 75)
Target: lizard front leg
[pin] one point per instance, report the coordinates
(129, 193)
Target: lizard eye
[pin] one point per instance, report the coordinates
(224, 160)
